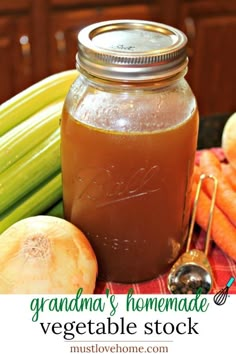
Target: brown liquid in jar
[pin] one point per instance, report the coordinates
(128, 191)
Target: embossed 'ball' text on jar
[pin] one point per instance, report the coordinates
(128, 140)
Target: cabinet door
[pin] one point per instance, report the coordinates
(6, 85)
(211, 31)
(15, 56)
(66, 25)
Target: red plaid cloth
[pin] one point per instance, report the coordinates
(223, 267)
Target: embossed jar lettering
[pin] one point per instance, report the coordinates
(105, 186)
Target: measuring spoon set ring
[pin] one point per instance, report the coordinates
(192, 269)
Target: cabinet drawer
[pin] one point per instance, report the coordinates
(14, 5)
(94, 3)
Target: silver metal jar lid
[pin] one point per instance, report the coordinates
(131, 50)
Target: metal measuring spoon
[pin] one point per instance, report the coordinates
(193, 270)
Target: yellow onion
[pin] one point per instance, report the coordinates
(46, 255)
(229, 140)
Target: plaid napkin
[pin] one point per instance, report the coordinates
(223, 267)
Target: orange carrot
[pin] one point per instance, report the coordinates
(225, 196)
(223, 232)
(229, 174)
(209, 163)
(196, 173)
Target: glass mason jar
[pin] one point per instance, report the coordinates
(128, 140)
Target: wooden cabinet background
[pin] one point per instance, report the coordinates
(15, 55)
(39, 37)
(211, 30)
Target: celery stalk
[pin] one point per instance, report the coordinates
(26, 103)
(37, 202)
(28, 172)
(57, 210)
(21, 139)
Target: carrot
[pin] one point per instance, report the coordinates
(229, 173)
(210, 164)
(225, 196)
(223, 232)
(196, 173)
